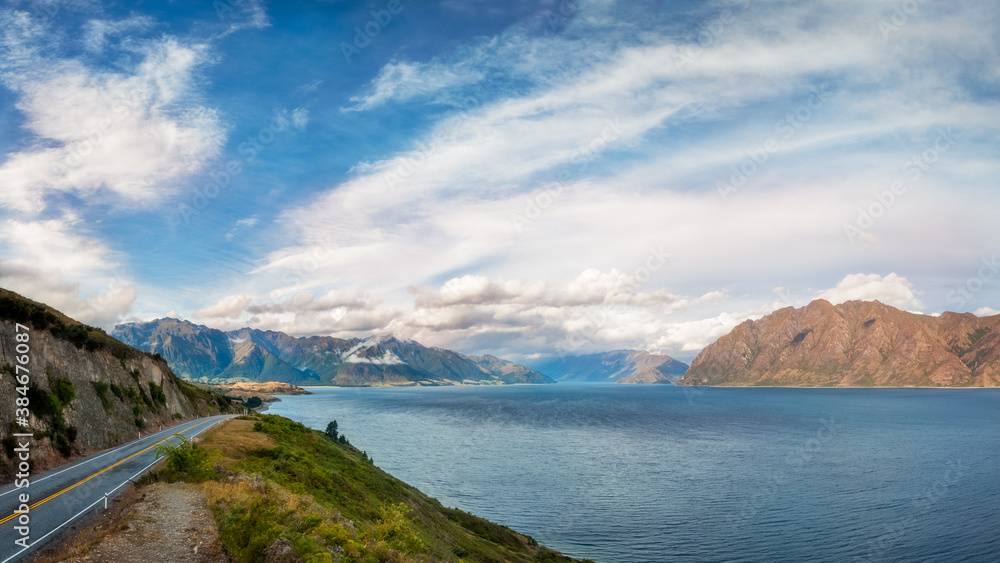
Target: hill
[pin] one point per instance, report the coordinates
(857, 343)
(86, 391)
(619, 366)
(210, 355)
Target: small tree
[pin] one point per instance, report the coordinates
(331, 431)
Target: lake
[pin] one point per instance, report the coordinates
(624, 473)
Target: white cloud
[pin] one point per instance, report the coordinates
(240, 225)
(124, 138)
(238, 15)
(478, 194)
(227, 308)
(597, 111)
(891, 290)
(41, 258)
(343, 313)
(97, 32)
(593, 311)
(402, 81)
(986, 312)
(300, 118)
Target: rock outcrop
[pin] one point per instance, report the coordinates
(857, 343)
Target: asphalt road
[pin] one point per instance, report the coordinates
(60, 496)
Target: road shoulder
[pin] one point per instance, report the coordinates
(159, 522)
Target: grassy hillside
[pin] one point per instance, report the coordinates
(281, 491)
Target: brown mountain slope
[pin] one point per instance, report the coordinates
(858, 343)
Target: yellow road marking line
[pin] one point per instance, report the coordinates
(108, 468)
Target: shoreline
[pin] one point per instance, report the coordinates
(834, 387)
(647, 385)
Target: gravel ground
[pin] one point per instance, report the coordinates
(161, 523)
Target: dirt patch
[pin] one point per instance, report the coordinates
(158, 522)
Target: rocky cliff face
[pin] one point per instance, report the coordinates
(210, 355)
(619, 366)
(858, 343)
(87, 391)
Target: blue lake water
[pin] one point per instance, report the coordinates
(621, 473)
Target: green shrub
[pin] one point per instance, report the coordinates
(63, 390)
(133, 395)
(49, 407)
(146, 399)
(185, 460)
(102, 393)
(395, 529)
(41, 403)
(156, 393)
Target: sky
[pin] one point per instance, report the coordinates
(526, 179)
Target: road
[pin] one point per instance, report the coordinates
(60, 496)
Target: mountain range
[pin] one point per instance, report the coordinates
(213, 356)
(618, 366)
(857, 343)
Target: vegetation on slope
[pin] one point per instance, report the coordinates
(283, 492)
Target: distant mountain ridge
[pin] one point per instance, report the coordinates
(618, 366)
(206, 354)
(857, 343)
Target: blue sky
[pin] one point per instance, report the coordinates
(519, 178)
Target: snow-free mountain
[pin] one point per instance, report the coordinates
(210, 355)
(854, 344)
(618, 366)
